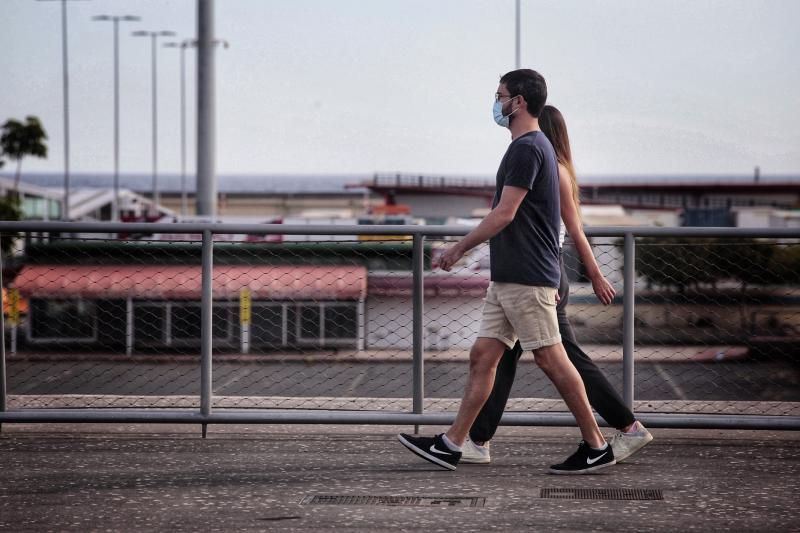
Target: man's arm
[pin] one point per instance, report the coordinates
(498, 218)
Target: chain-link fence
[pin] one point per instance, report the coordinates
(322, 321)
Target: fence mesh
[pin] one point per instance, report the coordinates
(309, 322)
(717, 322)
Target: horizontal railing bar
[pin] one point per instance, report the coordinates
(381, 229)
(658, 231)
(252, 416)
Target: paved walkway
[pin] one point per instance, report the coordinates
(599, 353)
(359, 478)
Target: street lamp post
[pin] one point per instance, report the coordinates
(517, 63)
(65, 88)
(154, 35)
(116, 20)
(183, 45)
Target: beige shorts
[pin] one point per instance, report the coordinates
(512, 311)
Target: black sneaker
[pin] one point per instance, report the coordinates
(431, 449)
(585, 460)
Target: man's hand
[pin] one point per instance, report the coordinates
(450, 257)
(603, 289)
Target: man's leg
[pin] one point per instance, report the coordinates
(445, 450)
(483, 359)
(554, 363)
(488, 419)
(602, 396)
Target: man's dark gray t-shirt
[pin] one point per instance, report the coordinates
(526, 251)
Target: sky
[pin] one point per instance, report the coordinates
(360, 86)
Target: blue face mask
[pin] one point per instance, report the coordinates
(501, 119)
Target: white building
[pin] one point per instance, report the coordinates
(37, 203)
(766, 217)
(86, 204)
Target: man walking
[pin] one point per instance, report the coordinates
(520, 303)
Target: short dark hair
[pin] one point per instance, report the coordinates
(530, 85)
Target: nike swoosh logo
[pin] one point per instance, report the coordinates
(593, 461)
(434, 449)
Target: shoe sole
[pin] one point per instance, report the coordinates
(589, 470)
(425, 455)
(476, 461)
(632, 451)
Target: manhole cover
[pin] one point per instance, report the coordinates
(602, 494)
(444, 501)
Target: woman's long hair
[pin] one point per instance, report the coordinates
(551, 121)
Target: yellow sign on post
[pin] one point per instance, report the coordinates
(13, 304)
(244, 306)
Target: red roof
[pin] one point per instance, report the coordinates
(470, 285)
(184, 282)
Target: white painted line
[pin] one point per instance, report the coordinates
(666, 377)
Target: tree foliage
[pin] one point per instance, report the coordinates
(9, 210)
(21, 139)
(681, 263)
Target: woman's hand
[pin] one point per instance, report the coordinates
(603, 289)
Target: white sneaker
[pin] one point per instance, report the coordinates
(475, 454)
(626, 444)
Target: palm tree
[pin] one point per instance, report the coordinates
(19, 140)
(9, 210)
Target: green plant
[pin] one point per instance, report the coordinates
(9, 210)
(22, 139)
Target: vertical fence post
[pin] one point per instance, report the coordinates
(362, 326)
(245, 314)
(206, 336)
(2, 345)
(628, 299)
(129, 326)
(12, 297)
(418, 260)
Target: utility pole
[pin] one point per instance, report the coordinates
(517, 62)
(154, 35)
(115, 20)
(206, 123)
(65, 91)
(182, 46)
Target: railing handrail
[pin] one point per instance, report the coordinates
(378, 229)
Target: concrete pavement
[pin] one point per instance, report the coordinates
(598, 352)
(97, 477)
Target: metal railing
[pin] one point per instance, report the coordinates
(619, 238)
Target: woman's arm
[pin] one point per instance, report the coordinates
(572, 222)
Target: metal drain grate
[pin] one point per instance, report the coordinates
(445, 501)
(602, 494)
